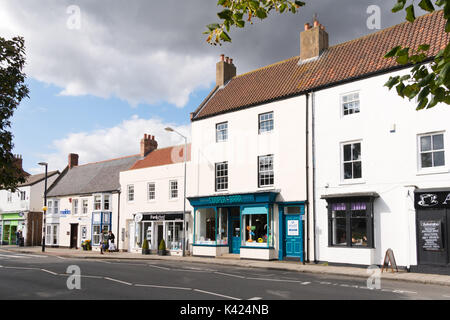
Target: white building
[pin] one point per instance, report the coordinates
(85, 200)
(22, 209)
(152, 202)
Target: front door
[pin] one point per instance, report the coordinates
(160, 234)
(293, 236)
(432, 237)
(73, 236)
(235, 223)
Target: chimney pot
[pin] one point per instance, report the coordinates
(316, 23)
(148, 144)
(222, 57)
(313, 41)
(225, 71)
(307, 26)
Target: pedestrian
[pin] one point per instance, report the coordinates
(18, 237)
(101, 242)
(111, 245)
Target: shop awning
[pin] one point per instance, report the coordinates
(370, 194)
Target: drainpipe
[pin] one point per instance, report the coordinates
(118, 221)
(313, 107)
(307, 181)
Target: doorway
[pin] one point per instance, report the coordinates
(73, 236)
(160, 234)
(235, 230)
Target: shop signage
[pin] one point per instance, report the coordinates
(138, 217)
(438, 200)
(430, 234)
(64, 212)
(293, 229)
(163, 217)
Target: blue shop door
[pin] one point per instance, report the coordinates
(235, 235)
(294, 236)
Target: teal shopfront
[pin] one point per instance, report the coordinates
(243, 224)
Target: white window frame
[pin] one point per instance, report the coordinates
(342, 162)
(260, 185)
(432, 169)
(95, 202)
(272, 120)
(109, 196)
(50, 206)
(149, 192)
(341, 102)
(221, 130)
(75, 206)
(83, 201)
(24, 195)
(171, 197)
(9, 197)
(128, 192)
(55, 206)
(216, 176)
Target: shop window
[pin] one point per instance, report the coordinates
(101, 223)
(222, 237)
(205, 226)
(351, 224)
(255, 230)
(174, 235)
(432, 151)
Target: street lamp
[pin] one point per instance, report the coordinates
(184, 200)
(44, 209)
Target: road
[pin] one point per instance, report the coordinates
(27, 276)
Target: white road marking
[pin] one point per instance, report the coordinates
(230, 275)
(255, 298)
(162, 287)
(21, 268)
(62, 258)
(216, 294)
(158, 267)
(51, 272)
(11, 256)
(280, 280)
(404, 291)
(119, 281)
(33, 255)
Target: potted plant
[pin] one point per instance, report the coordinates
(145, 249)
(162, 248)
(88, 245)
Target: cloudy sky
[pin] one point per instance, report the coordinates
(126, 68)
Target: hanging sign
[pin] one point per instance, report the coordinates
(435, 200)
(138, 217)
(431, 235)
(293, 229)
(389, 259)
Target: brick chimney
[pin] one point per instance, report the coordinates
(18, 161)
(313, 41)
(73, 160)
(225, 70)
(148, 144)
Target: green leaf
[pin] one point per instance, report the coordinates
(393, 52)
(424, 47)
(392, 82)
(426, 5)
(225, 37)
(410, 14)
(399, 6)
(261, 13)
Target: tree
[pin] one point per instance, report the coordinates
(429, 79)
(234, 11)
(429, 82)
(12, 91)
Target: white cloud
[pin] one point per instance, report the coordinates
(106, 57)
(121, 140)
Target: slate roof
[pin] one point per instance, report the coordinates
(344, 62)
(35, 178)
(92, 178)
(160, 157)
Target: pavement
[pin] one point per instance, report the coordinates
(312, 268)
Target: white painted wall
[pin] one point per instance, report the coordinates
(389, 164)
(160, 175)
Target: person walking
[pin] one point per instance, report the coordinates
(111, 245)
(102, 237)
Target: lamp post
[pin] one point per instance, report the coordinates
(184, 199)
(44, 209)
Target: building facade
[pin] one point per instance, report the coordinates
(152, 202)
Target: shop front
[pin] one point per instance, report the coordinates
(433, 229)
(158, 226)
(246, 225)
(11, 223)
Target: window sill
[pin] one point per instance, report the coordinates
(351, 182)
(347, 247)
(425, 172)
(266, 187)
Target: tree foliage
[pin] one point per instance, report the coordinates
(237, 12)
(12, 91)
(429, 82)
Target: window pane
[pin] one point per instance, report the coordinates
(205, 226)
(348, 171)
(359, 228)
(356, 151)
(357, 170)
(438, 159)
(425, 143)
(348, 152)
(438, 142)
(339, 235)
(426, 160)
(222, 227)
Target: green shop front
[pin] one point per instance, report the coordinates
(10, 223)
(250, 225)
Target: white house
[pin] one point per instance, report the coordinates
(85, 200)
(22, 209)
(152, 202)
